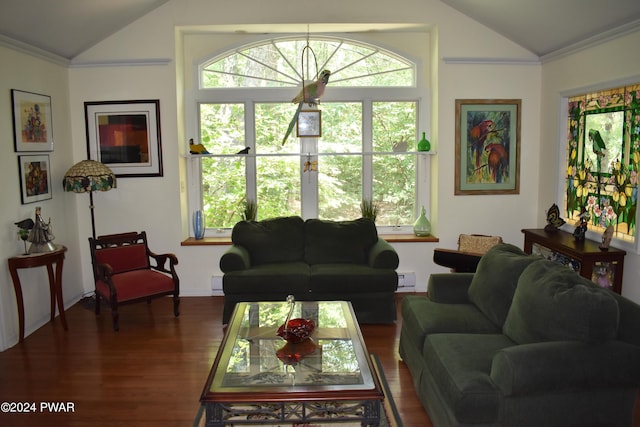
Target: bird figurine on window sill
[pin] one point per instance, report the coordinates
(196, 148)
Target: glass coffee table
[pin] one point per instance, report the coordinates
(259, 378)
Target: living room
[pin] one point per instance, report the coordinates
(146, 60)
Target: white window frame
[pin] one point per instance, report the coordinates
(250, 96)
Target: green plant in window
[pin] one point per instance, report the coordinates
(369, 209)
(250, 212)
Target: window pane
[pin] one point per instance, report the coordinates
(394, 183)
(223, 190)
(278, 186)
(340, 176)
(223, 178)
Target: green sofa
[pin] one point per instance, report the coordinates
(311, 260)
(522, 342)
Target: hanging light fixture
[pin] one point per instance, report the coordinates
(89, 176)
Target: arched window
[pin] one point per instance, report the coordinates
(361, 145)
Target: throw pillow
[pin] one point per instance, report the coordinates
(272, 240)
(553, 303)
(495, 280)
(339, 242)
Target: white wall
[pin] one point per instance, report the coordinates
(603, 66)
(114, 70)
(155, 37)
(26, 73)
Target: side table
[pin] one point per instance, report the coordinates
(47, 259)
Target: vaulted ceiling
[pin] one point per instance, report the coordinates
(66, 28)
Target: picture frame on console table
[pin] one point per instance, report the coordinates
(125, 136)
(487, 146)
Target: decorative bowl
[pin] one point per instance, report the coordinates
(298, 330)
(291, 354)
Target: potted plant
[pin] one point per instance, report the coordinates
(369, 209)
(250, 211)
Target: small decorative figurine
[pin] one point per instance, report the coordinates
(41, 235)
(581, 229)
(606, 238)
(554, 222)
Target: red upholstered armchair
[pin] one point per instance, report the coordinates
(123, 272)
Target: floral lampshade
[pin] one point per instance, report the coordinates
(89, 175)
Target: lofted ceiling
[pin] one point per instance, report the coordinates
(66, 28)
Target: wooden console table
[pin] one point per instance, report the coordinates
(603, 267)
(47, 259)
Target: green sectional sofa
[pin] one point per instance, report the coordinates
(311, 260)
(523, 342)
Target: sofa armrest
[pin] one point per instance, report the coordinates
(235, 258)
(565, 365)
(383, 255)
(449, 288)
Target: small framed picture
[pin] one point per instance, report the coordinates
(125, 136)
(35, 178)
(32, 121)
(309, 124)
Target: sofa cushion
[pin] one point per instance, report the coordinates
(496, 278)
(460, 365)
(333, 242)
(552, 303)
(344, 279)
(272, 240)
(422, 317)
(280, 278)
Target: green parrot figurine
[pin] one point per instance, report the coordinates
(311, 95)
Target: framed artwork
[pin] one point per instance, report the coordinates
(309, 124)
(487, 146)
(35, 178)
(125, 135)
(32, 121)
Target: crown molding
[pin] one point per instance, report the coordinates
(33, 51)
(121, 63)
(491, 61)
(589, 42)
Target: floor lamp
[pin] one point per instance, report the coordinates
(89, 176)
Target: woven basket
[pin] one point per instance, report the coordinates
(477, 243)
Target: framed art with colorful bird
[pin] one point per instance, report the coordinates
(487, 146)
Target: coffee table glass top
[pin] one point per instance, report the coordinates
(253, 358)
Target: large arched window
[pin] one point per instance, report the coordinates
(363, 146)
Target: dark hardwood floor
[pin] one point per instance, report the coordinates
(151, 373)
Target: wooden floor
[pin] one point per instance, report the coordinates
(150, 373)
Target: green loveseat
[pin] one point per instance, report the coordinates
(523, 342)
(311, 260)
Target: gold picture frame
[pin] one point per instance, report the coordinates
(487, 146)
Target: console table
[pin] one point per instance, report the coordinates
(47, 259)
(603, 267)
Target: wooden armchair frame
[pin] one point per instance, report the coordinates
(124, 273)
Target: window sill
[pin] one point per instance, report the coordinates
(391, 238)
